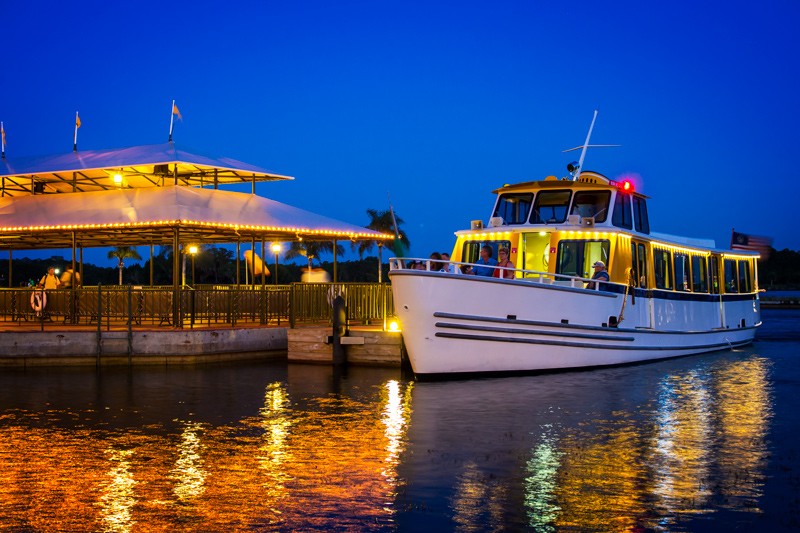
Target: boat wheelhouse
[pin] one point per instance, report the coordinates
(666, 296)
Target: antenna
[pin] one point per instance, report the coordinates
(576, 168)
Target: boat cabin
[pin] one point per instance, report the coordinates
(562, 227)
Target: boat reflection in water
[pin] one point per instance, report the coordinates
(232, 448)
(596, 451)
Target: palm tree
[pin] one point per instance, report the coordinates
(121, 253)
(382, 221)
(311, 249)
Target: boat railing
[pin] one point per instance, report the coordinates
(460, 268)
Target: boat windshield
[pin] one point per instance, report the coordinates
(513, 208)
(591, 204)
(550, 207)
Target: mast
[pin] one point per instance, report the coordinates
(576, 168)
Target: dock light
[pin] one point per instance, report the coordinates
(117, 178)
(394, 326)
(193, 249)
(276, 249)
(58, 271)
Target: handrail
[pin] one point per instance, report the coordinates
(530, 276)
(120, 307)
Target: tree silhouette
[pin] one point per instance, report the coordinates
(121, 253)
(311, 249)
(382, 221)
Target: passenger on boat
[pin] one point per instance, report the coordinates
(600, 274)
(504, 262)
(486, 259)
(449, 267)
(50, 281)
(436, 264)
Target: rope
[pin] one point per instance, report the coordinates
(628, 286)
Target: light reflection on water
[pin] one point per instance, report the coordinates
(259, 447)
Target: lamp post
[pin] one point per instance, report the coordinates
(193, 252)
(276, 249)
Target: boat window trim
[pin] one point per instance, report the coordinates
(600, 215)
(535, 211)
(521, 218)
(622, 216)
(662, 260)
(640, 215)
(580, 259)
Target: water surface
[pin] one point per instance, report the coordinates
(702, 443)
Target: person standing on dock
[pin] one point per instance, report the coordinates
(50, 281)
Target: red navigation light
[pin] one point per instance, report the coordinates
(627, 185)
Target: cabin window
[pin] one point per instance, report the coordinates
(731, 281)
(682, 272)
(591, 204)
(550, 207)
(662, 261)
(575, 258)
(640, 214)
(622, 217)
(642, 264)
(699, 274)
(714, 274)
(744, 277)
(472, 249)
(513, 208)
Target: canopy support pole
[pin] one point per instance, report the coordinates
(334, 262)
(238, 254)
(216, 179)
(253, 251)
(10, 283)
(176, 274)
(151, 264)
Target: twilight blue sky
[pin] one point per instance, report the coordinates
(435, 103)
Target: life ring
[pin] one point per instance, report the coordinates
(333, 292)
(38, 300)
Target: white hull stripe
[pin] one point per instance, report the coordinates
(519, 331)
(691, 347)
(490, 319)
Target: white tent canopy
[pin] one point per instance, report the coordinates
(148, 215)
(154, 165)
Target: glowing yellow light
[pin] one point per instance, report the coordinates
(117, 178)
(394, 326)
(542, 233)
(193, 249)
(276, 247)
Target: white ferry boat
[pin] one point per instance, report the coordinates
(666, 296)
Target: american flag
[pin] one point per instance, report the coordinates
(751, 243)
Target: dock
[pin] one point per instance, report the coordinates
(364, 345)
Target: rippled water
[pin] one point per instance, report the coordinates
(702, 443)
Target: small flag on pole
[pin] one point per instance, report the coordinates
(751, 243)
(3, 139)
(172, 115)
(75, 138)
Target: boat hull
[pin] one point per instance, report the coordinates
(455, 324)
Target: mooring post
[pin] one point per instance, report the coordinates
(339, 330)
